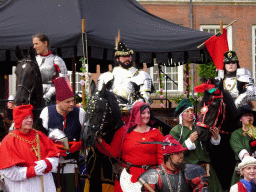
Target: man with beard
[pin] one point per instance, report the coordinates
(173, 174)
(127, 82)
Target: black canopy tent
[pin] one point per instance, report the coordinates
(149, 36)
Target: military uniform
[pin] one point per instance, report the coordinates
(240, 83)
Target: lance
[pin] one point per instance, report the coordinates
(85, 56)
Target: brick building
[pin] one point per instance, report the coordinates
(207, 14)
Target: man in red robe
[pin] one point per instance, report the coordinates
(26, 155)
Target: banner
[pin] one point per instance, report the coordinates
(216, 47)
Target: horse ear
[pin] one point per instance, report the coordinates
(32, 53)
(18, 53)
(92, 87)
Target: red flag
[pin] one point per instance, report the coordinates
(216, 47)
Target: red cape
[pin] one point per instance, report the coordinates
(14, 151)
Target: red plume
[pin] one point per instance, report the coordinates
(201, 88)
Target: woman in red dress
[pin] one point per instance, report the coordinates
(126, 144)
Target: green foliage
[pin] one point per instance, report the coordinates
(207, 70)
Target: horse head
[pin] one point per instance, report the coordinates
(213, 108)
(100, 106)
(29, 82)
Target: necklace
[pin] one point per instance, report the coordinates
(225, 87)
(168, 181)
(33, 148)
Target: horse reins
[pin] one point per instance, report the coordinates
(221, 111)
(21, 85)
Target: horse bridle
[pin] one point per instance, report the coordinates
(33, 87)
(221, 111)
(92, 108)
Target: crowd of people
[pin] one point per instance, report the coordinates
(179, 161)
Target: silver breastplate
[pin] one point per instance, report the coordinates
(47, 69)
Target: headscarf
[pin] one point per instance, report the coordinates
(134, 119)
(20, 113)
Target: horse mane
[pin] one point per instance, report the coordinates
(115, 108)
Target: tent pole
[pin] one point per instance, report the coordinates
(192, 64)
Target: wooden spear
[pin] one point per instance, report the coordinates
(39, 158)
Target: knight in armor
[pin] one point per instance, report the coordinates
(51, 66)
(197, 153)
(238, 81)
(174, 174)
(69, 119)
(127, 82)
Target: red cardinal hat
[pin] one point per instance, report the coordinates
(20, 112)
(62, 89)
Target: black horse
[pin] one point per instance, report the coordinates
(103, 118)
(218, 110)
(29, 82)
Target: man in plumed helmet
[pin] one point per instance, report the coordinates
(127, 82)
(238, 81)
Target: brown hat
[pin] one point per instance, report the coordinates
(62, 89)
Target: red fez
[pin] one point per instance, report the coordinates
(174, 147)
(62, 89)
(20, 113)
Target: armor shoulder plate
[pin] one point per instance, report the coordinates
(150, 176)
(104, 78)
(141, 77)
(193, 171)
(243, 71)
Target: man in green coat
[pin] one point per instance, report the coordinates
(243, 139)
(197, 152)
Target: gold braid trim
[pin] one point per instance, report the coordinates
(123, 53)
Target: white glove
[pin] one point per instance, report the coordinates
(40, 167)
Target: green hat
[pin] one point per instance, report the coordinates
(230, 56)
(122, 50)
(183, 105)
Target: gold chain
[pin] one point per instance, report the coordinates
(35, 149)
(22, 139)
(229, 90)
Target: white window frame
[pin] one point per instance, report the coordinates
(180, 80)
(229, 32)
(253, 51)
(78, 85)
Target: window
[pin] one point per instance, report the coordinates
(175, 73)
(254, 51)
(215, 29)
(78, 80)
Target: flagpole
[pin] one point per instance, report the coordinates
(218, 32)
